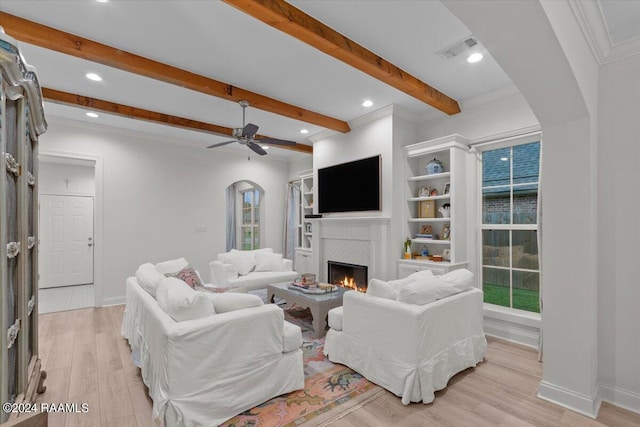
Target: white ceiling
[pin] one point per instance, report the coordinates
(214, 39)
(622, 18)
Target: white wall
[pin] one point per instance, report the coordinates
(156, 194)
(558, 92)
(300, 165)
(619, 233)
(54, 176)
(481, 121)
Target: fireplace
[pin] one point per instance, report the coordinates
(348, 275)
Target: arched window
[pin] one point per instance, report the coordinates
(245, 200)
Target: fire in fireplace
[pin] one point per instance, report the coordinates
(348, 275)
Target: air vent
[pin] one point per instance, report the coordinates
(458, 48)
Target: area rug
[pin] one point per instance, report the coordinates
(327, 386)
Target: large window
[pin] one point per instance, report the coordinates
(250, 226)
(510, 269)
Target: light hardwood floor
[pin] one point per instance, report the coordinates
(87, 361)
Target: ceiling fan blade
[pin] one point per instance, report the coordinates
(255, 147)
(249, 130)
(221, 144)
(274, 141)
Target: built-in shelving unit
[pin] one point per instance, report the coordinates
(304, 253)
(450, 186)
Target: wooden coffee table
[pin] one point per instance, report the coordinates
(318, 304)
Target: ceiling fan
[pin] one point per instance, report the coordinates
(246, 135)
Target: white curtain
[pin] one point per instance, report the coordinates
(540, 279)
(231, 217)
(293, 194)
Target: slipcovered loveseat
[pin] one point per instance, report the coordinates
(249, 270)
(207, 357)
(409, 336)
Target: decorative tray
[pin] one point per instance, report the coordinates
(315, 291)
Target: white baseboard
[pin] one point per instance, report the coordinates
(619, 397)
(577, 402)
(520, 334)
(113, 301)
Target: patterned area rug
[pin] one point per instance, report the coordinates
(326, 386)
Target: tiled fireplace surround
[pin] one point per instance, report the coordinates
(351, 240)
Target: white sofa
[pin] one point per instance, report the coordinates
(204, 371)
(249, 270)
(409, 349)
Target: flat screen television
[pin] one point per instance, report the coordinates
(350, 187)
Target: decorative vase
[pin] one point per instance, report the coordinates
(434, 166)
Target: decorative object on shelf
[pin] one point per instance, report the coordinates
(446, 232)
(424, 191)
(424, 252)
(425, 229)
(434, 192)
(407, 248)
(427, 209)
(13, 249)
(434, 166)
(445, 210)
(307, 227)
(447, 188)
(31, 180)
(12, 164)
(446, 254)
(436, 258)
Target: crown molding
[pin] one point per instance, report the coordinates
(591, 21)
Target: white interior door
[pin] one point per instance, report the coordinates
(66, 241)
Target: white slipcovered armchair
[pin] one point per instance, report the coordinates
(410, 349)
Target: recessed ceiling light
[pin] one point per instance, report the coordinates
(265, 147)
(474, 57)
(102, 1)
(304, 131)
(92, 115)
(504, 159)
(367, 103)
(94, 77)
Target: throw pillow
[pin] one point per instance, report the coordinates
(401, 283)
(231, 301)
(149, 278)
(181, 302)
(244, 261)
(429, 289)
(378, 288)
(172, 267)
(420, 274)
(189, 276)
(461, 278)
(266, 261)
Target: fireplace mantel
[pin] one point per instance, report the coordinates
(354, 240)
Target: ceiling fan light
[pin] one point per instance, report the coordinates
(474, 57)
(265, 147)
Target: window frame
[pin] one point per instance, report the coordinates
(254, 226)
(509, 142)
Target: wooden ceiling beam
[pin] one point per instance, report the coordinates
(70, 44)
(294, 22)
(74, 100)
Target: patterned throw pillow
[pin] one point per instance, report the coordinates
(189, 276)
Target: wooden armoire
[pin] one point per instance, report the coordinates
(21, 122)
